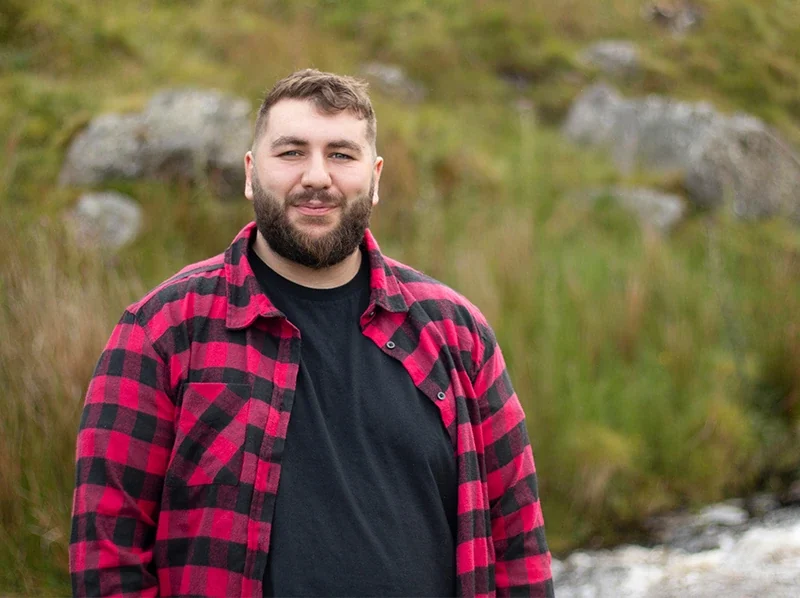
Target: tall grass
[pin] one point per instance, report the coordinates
(656, 372)
(56, 309)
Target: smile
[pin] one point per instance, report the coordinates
(314, 210)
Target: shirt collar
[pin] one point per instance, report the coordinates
(247, 301)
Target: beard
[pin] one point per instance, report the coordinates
(312, 251)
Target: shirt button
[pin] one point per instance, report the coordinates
(390, 345)
(371, 314)
(441, 396)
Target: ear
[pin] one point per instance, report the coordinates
(249, 165)
(376, 173)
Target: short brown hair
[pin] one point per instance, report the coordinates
(330, 93)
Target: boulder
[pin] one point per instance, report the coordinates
(744, 164)
(759, 505)
(108, 220)
(706, 530)
(654, 133)
(732, 160)
(192, 135)
(615, 58)
(792, 495)
(392, 80)
(111, 147)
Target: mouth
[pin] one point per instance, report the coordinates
(315, 209)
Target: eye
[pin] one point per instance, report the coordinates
(341, 156)
(289, 154)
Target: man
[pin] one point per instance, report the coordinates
(301, 415)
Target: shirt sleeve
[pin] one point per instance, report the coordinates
(522, 565)
(124, 443)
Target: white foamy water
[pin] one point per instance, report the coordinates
(763, 562)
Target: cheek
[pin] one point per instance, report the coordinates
(280, 179)
(355, 183)
(279, 185)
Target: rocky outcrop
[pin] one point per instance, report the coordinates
(746, 165)
(111, 147)
(736, 161)
(654, 133)
(108, 220)
(194, 135)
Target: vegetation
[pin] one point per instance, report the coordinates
(656, 372)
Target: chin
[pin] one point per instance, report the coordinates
(315, 225)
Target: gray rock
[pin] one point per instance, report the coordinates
(111, 147)
(654, 133)
(592, 118)
(616, 58)
(707, 530)
(682, 532)
(792, 495)
(194, 135)
(392, 80)
(760, 505)
(736, 161)
(109, 220)
(745, 165)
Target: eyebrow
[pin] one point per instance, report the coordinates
(287, 140)
(284, 140)
(345, 144)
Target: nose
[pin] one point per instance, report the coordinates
(316, 175)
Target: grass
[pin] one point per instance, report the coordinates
(56, 307)
(657, 372)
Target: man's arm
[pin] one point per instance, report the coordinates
(124, 443)
(522, 557)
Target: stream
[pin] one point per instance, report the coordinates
(721, 553)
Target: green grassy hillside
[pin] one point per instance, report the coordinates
(656, 372)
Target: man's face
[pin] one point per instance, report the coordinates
(313, 179)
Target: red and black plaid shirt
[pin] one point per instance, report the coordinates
(180, 442)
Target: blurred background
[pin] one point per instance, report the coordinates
(615, 183)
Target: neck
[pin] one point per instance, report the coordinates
(324, 278)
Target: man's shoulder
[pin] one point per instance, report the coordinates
(439, 304)
(186, 287)
(422, 288)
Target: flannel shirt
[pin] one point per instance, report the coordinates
(181, 437)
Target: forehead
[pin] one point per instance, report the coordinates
(302, 119)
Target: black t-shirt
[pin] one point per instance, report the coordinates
(367, 499)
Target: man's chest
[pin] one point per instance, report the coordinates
(238, 390)
(366, 404)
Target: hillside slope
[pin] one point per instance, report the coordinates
(656, 371)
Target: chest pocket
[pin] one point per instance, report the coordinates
(210, 434)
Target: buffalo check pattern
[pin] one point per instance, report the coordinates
(182, 434)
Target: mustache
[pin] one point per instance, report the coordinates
(324, 197)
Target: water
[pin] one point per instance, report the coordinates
(761, 561)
